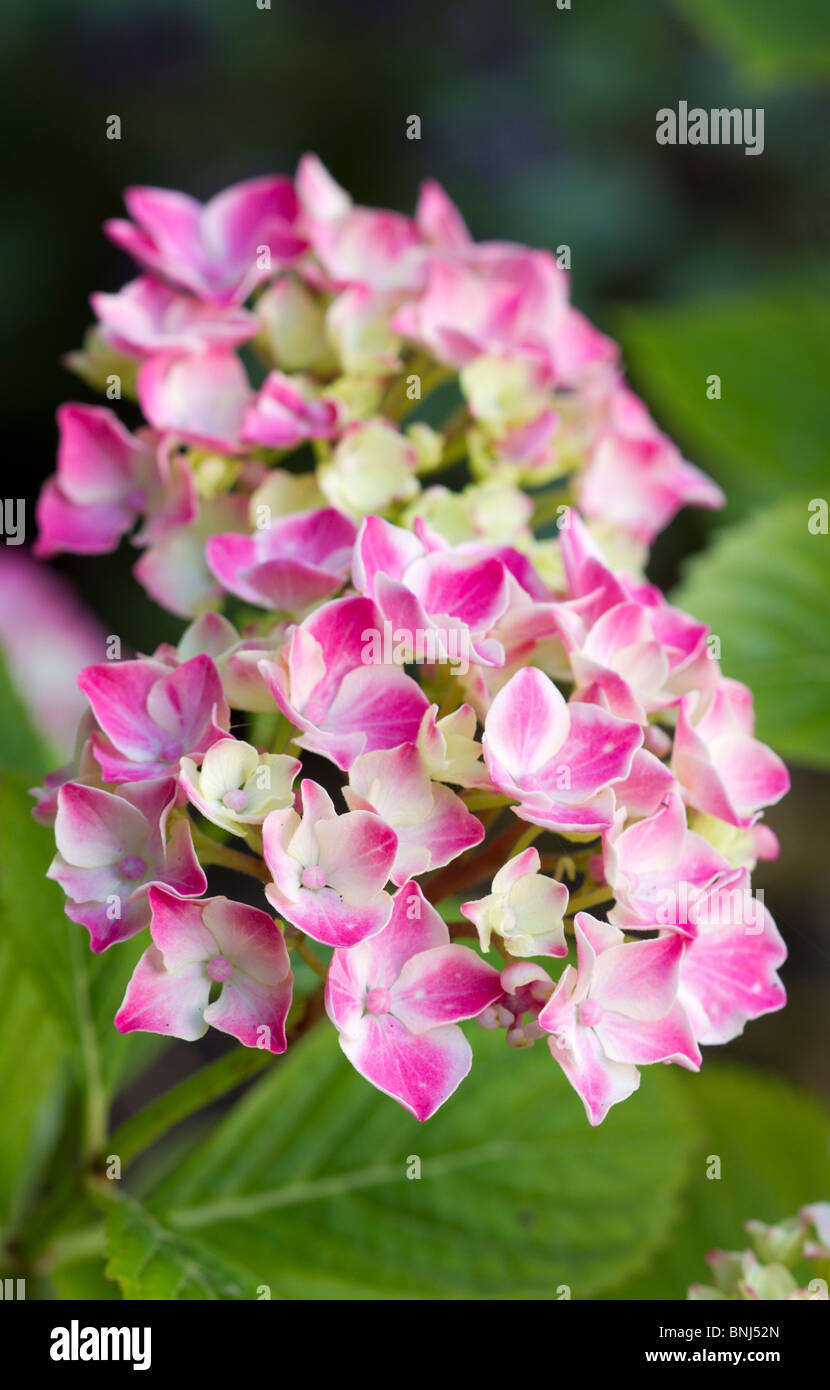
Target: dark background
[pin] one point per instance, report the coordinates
(541, 124)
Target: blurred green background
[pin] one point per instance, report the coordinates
(540, 122)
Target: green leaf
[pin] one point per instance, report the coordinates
(31, 1071)
(769, 431)
(150, 1262)
(765, 38)
(773, 1143)
(304, 1186)
(764, 586)
(21, 748)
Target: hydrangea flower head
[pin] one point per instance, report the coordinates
(471, 764)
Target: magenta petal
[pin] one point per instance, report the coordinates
(419, 1072)
(414, 926)
(443, 985)
(178, 929)
(105, 930)
(92, 529)
(117, 692)
(599, 749)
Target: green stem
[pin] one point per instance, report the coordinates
(211, 852)
(548, 504)
(204, 1086)
(483, 801)
(311, 958)
(73, 1247)
(590, 899)
(95, 1098)
(190, 1095)
(532, 833)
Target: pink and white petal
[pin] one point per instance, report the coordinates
(381, 548)
(443, 985)
(412, 859)
(419, 1072)
(593, 939)
(394, 783)
(729, 975)
(288, 585)
(120, 767)
(178, 929)
(657, 841)
(104, 930)
(647, 785)
(99, 461)
(347, 984)
(754, 776)
(182, 871)
(159, 1000)
(558, 1016)
(448, 831)
(599, 750)
(94, 828)
(598, 1081)
(438, 219)
(87, 885)
(184, 704)
(528, 862)
(526, 724)
(639, 978)
(593, 814)
(93, 529)
(249, 938)
(642, 1041)
(247, 1005)
(375, 707)
(357, 851)
(463, 586)
(317, 806)
(414, 926)
(230, 557)
(278, 831)
(321, 197)
(325, 917)
(202, 397)
(118, 692)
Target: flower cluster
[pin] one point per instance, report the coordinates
(502, 701)
(765, 1271)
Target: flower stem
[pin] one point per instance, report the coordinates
(532, 833)
(590, 899)
(204, 1086)
(211, 852)
(190, 1095)
(306, 953)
